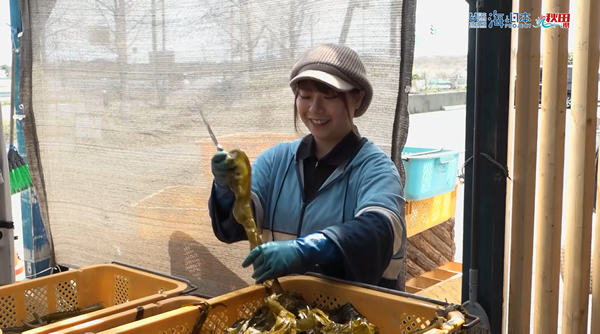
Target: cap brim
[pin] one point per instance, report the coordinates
(324, 77)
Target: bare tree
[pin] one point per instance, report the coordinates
(7, 70)
(239, 22)
(51, 26)
(570, 58)
(124, 29)
(352, 5)
(286, 36)
(396, 8)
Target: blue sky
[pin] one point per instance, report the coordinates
(449, 18)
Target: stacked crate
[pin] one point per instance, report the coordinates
(430, 192)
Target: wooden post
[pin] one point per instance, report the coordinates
(581, 152)
(523, 188)
(550, 174)
(514, 38)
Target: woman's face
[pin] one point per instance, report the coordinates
(326, 113)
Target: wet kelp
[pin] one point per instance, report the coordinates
(290, 313)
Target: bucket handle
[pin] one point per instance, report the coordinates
(446, 159)
(406, 157)
(190, 287)
(474, 320)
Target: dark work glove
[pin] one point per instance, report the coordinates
(220, 167)
(280, 258)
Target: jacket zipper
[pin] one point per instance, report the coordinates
(304, 201)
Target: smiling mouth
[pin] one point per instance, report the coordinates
(320, 121)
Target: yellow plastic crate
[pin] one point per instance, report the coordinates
(132, 315)
(394, 312)
(425, 214)
(117, 286)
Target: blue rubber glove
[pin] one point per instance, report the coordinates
(280, 258)
(219, 168)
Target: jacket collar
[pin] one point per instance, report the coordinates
(344, 150)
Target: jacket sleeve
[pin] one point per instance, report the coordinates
(220, 202)
(372, 243)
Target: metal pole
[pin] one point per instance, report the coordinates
(524, 170)
(164, 27)
(472, 305)
(153, 8)
(581, 155)
(7, 236)
(550, 174)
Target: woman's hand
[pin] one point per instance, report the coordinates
(220, 167)
(274, 259)
(280, 258)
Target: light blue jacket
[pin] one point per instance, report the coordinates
(368, 183)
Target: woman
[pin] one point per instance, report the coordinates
(331, 202)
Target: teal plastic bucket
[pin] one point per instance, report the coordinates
(429, 172)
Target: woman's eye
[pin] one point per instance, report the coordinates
(304, 97)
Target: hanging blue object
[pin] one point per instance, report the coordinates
(37, 248)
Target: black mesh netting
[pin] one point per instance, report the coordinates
(118, 151)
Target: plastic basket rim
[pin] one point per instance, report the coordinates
(327, 279)
(223, 299)
(315, 277)
(114, 264)
(470, 319)
(174, 279)
(443, 152)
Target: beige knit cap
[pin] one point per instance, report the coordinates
(337, 66)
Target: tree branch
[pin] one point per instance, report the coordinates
(237, 4)
(108, 21)
(135, 24)
(258, 37)
(110, 9)
(134, 39)
(277, 38)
